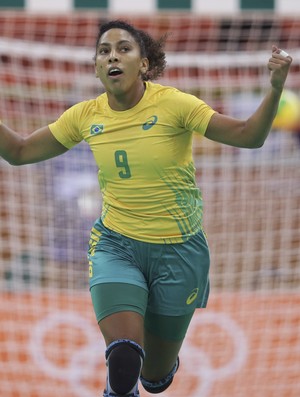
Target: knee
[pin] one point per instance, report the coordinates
(161, 385)
(124, 360)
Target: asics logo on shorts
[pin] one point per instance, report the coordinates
(192, 296)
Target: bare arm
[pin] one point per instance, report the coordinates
(251, 133)
(40, 145)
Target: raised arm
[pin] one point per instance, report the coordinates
(251, 133)
(40, 145)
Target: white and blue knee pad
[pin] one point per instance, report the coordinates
(124, 360)
(161, 385)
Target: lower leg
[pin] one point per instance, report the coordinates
(123, 333)
(161, 363)
(162, 384)
(164, 336)
(161, 357)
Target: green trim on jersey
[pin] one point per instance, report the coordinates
(144, 154)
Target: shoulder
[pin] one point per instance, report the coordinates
(159, 89)
(169, 93)
(92, 103)
(88, 106)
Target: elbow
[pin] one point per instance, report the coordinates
(11, 161)
(14, 162)
(16, 157)
(259, 143)
(255, 143)
(13, 153)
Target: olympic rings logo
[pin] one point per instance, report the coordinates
(197, 361)
(84, 361)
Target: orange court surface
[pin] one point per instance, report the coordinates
(227, 351)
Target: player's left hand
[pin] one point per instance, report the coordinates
(279, 65)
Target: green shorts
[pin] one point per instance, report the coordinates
(165, 279)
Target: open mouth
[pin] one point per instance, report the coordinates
(113, 72)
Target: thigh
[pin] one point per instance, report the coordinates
(179, 281)
(123, 325)
(120, 310)
(118, 288)
(111, 259)
(111, 298)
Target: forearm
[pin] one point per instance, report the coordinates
(250, 133)
(258, 126)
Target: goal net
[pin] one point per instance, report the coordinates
(247, 342)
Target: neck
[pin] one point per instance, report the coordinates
(126, 100)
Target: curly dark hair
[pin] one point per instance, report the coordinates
(149, 47)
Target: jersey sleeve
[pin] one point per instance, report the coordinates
(66, 129)
(195, 114)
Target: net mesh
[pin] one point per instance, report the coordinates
(246, 343)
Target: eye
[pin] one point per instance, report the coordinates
(125, 48)
(102, 51)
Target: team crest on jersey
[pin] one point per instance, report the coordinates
(97, 129)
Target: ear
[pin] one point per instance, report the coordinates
(96, 72)
(144, 65)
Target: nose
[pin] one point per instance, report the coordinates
(113, 56)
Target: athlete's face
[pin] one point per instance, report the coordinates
(118, 62)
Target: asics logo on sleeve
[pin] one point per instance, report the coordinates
(150, 123)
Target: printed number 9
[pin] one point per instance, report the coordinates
(122, 162)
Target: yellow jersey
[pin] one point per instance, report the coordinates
(144, 155)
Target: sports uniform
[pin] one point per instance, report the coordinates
(150, 231)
